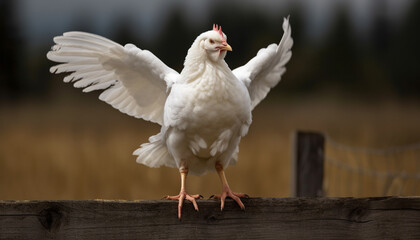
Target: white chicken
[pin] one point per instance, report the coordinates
(204, 111)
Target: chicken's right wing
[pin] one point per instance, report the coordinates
(134, 81)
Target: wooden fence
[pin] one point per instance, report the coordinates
(307, 164)
(263, 218)
(318, 168)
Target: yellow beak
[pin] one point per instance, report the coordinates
(226, 47)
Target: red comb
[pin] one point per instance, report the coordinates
(218, 28)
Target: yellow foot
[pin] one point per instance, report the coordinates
(183, 195)
(228, 193)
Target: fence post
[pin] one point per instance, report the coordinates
(307, 164)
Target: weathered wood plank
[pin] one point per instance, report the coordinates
(308, 164)
(264, 218)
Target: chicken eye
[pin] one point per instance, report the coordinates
(211, 41)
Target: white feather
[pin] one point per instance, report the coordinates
(264, 71)
(98, 63)
(204, 111)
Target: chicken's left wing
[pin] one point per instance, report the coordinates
(134, 81)
(264, 71)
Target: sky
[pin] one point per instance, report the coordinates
(41, 19)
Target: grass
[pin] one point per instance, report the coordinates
(81, 149)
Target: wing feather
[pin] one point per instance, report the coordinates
(133, 81)
(264, 71)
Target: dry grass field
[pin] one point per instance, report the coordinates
(81, 149)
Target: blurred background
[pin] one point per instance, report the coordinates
(354, 76)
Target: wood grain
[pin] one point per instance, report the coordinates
(263, 218)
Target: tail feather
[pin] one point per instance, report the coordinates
(154, 153)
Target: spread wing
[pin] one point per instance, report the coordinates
(264, 71)
(133, 81)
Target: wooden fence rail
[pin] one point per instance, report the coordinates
(263, 218)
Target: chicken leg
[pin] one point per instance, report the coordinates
(226, 192)
(183, 193)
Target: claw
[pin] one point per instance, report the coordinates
(228, 193)
(183, 195)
